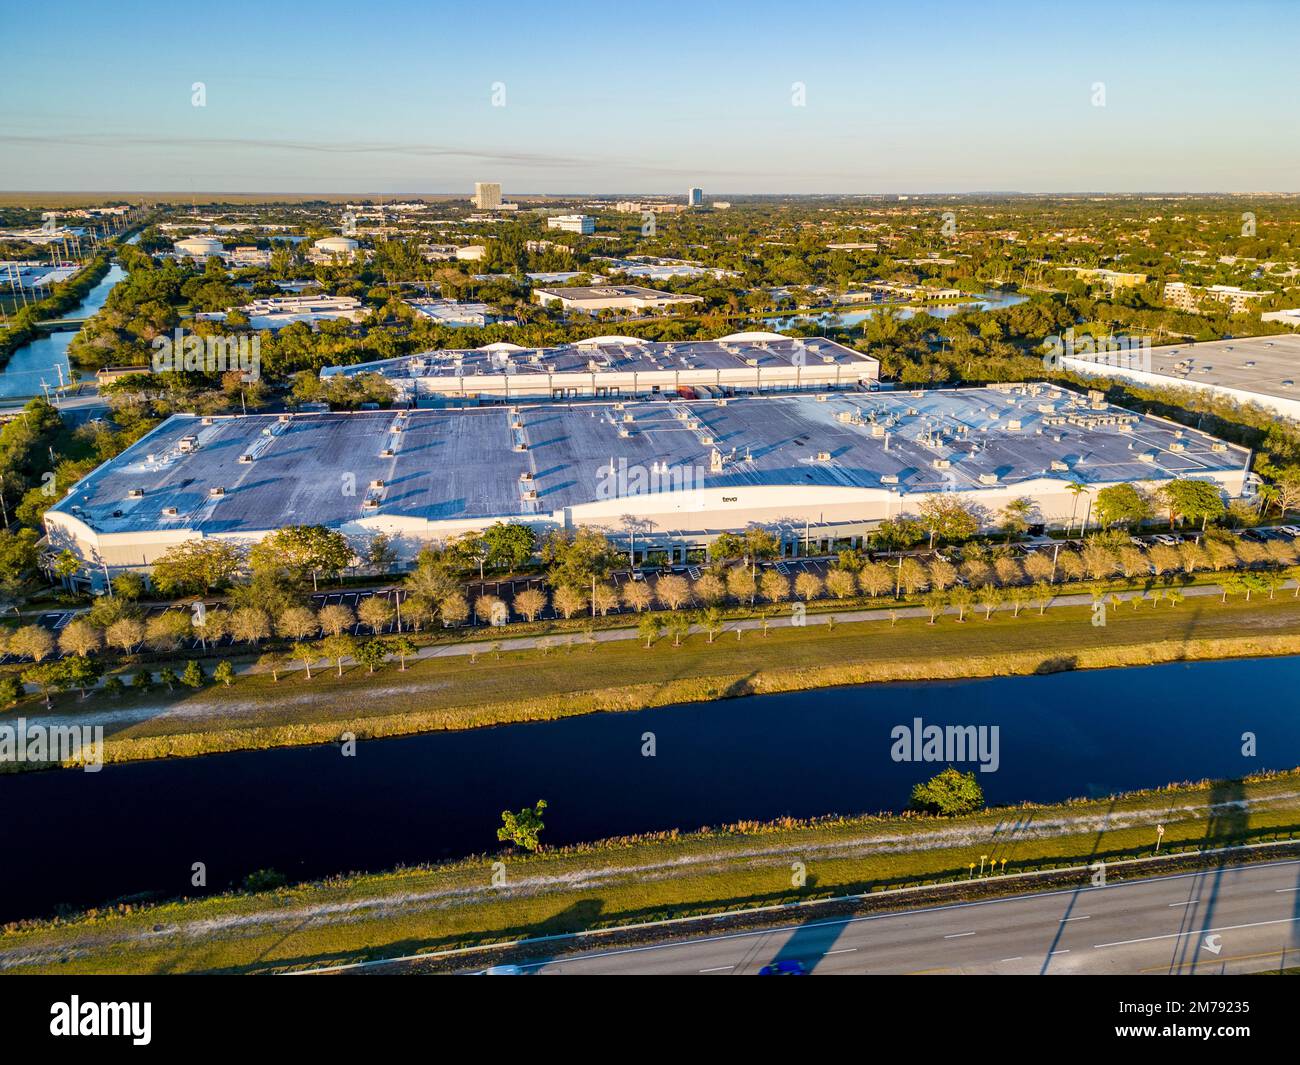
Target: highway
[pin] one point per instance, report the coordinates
(1232, 920)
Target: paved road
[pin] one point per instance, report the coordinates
(1169, 925)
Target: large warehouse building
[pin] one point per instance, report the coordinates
(1252, 371)
(623, 367)
(671, 475)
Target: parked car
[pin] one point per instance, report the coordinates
(1291, 530)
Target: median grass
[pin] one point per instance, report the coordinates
(458, 692)
(625, 881)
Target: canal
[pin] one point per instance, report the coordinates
(85, 838)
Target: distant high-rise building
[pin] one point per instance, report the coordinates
(487, 195)
(694, 197)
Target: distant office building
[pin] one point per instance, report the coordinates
(694, 197)
(487, 195)
(572, 223)
(1290, 316)
(593, 298)
(1192, 298)
(456, 314)
(276, 312)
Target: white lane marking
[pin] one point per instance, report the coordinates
(958, 935)
(834, 922)
(844, 950)
(1189, 902)
(1018, 957)
(1051, 952)
(1085, 917)
(718, 969)
(1281, 890)
(1196, 932)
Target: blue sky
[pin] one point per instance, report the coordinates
(904, 97)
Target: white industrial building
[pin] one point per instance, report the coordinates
(591, 299)
(819, 470)
(336, 247)
(1252, 371)
(198, 248)
(616, 367)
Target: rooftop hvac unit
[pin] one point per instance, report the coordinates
(529, 493)
(216, 490)
(207, 421)
(706, 440)
(751, 360)
(520, 446)
(889, 478)
(285, 418)
(823, 456)
(135, 493)
(941, 464)
(1013, 424)
(623, 431)
(525, 476)
(517, 424)
(371, 503)
(721, 403)
(169, 512)
(1218, 447)
(245, 459)
(1124, 427)
(1059, 466)
(1148, 456)
(1177, 446)
(822, 397)
(387, 453)
(188, 444)
(628, 417)
(988, 478)
(376, 483)
(878, 431)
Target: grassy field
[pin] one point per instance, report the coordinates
(457, 692)
(626, 881)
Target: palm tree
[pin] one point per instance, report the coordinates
(1076, 489)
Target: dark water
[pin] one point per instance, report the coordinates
(44, 361)
(73, 837)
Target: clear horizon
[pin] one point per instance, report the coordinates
(1190, 98)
